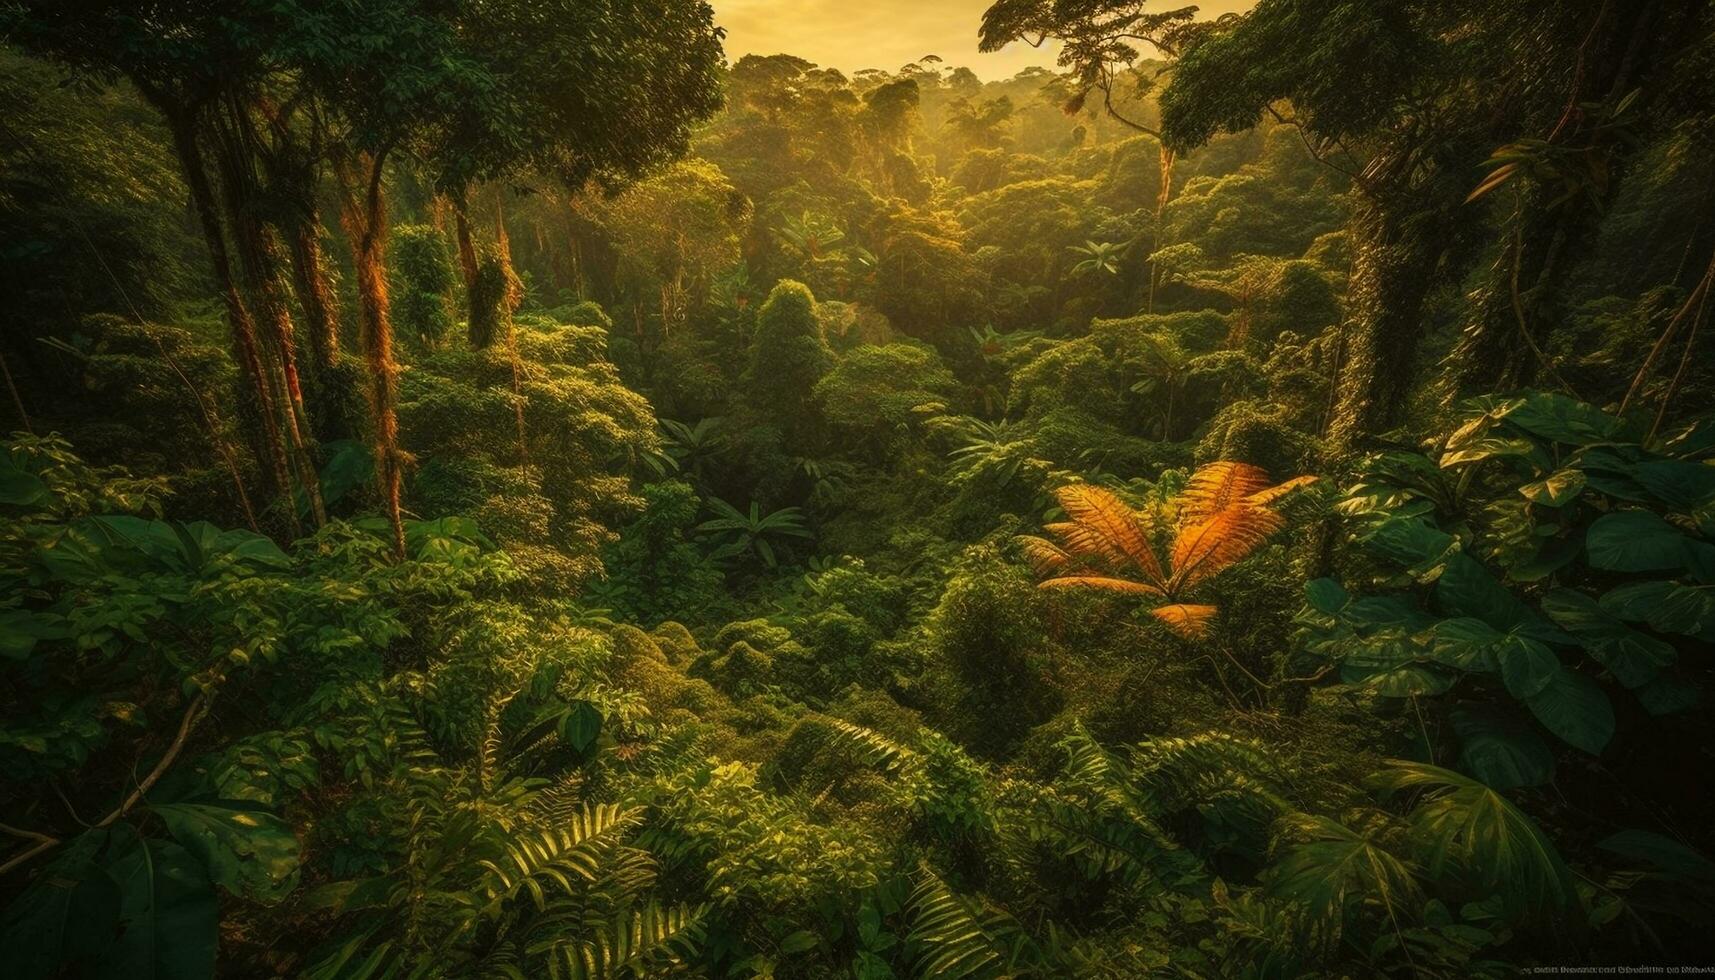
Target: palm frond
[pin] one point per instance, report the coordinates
(1475, 834)
(1219, 541)
(872, 747)
(1189, 621)
(1110, 517)
(1188, 771)
(558, 803)
(1262, 498)
(1045, 556)
(956, 938)
(1086, 542)
(1334, 867)
(1217, 486)
(1098, 817)
(1104, 582)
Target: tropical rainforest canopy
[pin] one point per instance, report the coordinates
(496, 489)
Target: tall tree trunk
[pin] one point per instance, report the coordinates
(1518, 304)
(364, 213)
(17, 399)
(314, 293)
(1162, 196)
(269, 449)
(1394, 262)
(467, 247)
(263, 264)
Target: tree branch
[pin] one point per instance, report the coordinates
(193, 714)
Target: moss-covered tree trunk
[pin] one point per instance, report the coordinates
(1393, 266)
(1518, 305)
(363, 212)
(467, 246)
(1403, 241)
(266, 444)
(321, 308)
(263, 263)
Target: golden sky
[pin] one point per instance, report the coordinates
(853, 34)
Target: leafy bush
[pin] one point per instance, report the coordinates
(1548, 558)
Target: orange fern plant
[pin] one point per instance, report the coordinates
(1222, 516)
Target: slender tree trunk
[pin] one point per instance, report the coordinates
(364, 214)
(1519, 304)
(314, 294)
(296, 420)
(1516, 306)
(514, 296)
(268, 447)
(17, 400)
(263, 264)
(467, 247)
(1163, 195)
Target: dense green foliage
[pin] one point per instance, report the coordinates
(1240, 506)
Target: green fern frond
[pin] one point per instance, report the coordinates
(558, 802)
(411, 745)
(1102, 841)
(638, 944)
(557, 856)
(953, 937)
(871, 747)
(1087, 762)
(1180, 772)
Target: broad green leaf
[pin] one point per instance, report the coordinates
(1327, 596)
(1385, 611)
(252, 548)
(1563, 420)
(1668, 607)
(1468, 644)
(66, 917)
(581, 726)
(1501, 748)
(1634, 541)
(168, 914)
(21, 630)
(1556, 489)
(1574, 708)
(20, 488)
(156, 540)
(1467, 588)
(1681, 484)
(1613, 470)
(350, 465)
(1551, 556)
(1393, 668)
(346, 896)
(1489, 447)
(1633, 658)
(1411, 541)
(250, 853)
(1700, 559)
(1668, 694)
(1527, 667)
(1664, 855)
